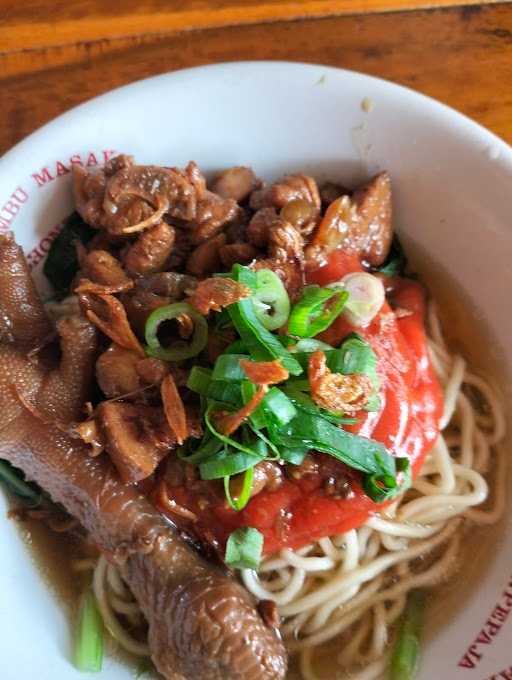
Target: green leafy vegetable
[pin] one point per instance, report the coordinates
(61, 264)
(228, 441)
(319, 434)
(316, 310)
(385, 487)
(89, 639)
(244, 548)
(15, 482)
(262, 345)
(406, 652)
(209, 447)
(396, 261)
(180, 349)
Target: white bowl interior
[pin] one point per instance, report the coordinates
(453, 204)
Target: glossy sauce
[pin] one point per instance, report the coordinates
(300, 510)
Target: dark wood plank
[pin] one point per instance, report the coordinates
(44, 23)
(462, 56)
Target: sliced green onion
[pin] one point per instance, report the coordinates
(228, 441)
(208, 448)
(199, 380)
(262, 444)
(385, 487)
(310, 345)
(294, 456)
(366, 296)
(299, 385)
(225, 392)
(228, 463)
(89, 639)
(16, 484)
(236, 347)
(262, 345)
(244, 548)
(257, 417)
(406, 652)
(319, 434)
(180, 349)
(271, 301)
(227, 367)
(277, 407)
(245, 495)
(316, 310)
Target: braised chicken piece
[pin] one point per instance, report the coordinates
(285, 242)
(127, 198)
(213, 213)
(151, 250)
(359, 225)
(289, 188)
(259, 226)
(205, 259)
(237, 253)
(236, 183)
(99, 266)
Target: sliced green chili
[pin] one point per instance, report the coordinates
(316, 310)
(180, 349)
(271, 301)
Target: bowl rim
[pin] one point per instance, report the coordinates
(436, 108)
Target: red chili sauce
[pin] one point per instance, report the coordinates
(301, 510)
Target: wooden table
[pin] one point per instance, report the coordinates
(55, 54)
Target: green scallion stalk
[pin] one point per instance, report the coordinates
(382, 488)
(245, 494)
(180, 349)
(228, 463)
(89, 640)
(225, 392)
(210, 446)
(316, 310)
(257, 417)
(318, 433)
(227, 367)
(244, 548)
(406, 652)
(270, 299)
(261, 344)
(228, 441)
(278, 408)
(199, 380)
(310, 345)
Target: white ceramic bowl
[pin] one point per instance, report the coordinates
(453, 199)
